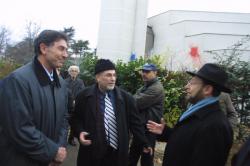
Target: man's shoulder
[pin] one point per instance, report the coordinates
(123, 94)
(213, 114)
(157, 84)
(122, 91)
(87, 91)
(23, 73)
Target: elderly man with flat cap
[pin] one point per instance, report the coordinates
(203, 135)
(104, 115)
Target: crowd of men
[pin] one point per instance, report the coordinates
(36, 103)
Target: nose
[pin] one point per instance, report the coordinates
(186, 86)
(113, 78)
(65, 54)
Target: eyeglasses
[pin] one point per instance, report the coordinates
(191, 82)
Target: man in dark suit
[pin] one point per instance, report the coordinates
(203, 135)
(104, 115)
(75, 85)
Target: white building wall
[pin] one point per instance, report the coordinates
(122, 29)
(179, 31)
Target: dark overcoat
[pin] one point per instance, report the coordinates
(32, 117)
(242, 158)
(202, 139)
(75, 86)
(85, 119)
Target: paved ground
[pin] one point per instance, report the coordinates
(159, 150)
(72, 155)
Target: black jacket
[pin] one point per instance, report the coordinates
(85, 119)
(202, 139)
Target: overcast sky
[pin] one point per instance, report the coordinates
(83, 15)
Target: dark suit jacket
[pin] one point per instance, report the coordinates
(85, 119)
(202, 139)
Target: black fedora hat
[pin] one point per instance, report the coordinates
(213, 74)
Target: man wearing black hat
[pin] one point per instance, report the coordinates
(203, 135)
(149, 101)
(104, 115)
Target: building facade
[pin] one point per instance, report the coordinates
(187, 38)
(122, 30)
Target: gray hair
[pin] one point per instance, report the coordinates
(74, 67)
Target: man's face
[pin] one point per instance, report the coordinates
(148, 75)
(73, 73)
(55, 54)
(106, 80)
(194, 90)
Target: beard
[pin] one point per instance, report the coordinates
(193, 99)
(110, 87)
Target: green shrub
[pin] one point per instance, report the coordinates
(7, 66)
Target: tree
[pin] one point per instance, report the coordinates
(239, 78)
(23, 51)
(79, 47)
(7, 66)
(4, 38)
(32, 30)
(70, 32)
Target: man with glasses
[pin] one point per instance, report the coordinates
(149, 101)
(202, 135)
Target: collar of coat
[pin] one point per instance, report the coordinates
(42, 76)
(204, 111)
(149, 83)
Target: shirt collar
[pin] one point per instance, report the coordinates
(50, 74)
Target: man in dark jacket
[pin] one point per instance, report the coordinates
(242, 158)
(104, 115)
(203, 135)
(75, 85)
(149, 101)
(33, 124)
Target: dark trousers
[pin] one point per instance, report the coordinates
(136, 151)
(110, 158)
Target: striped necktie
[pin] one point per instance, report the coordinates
(110, 123)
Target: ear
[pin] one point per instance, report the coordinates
(43, 48)
(208, 89)
(97, 77)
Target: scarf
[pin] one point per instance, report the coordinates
(197, 106)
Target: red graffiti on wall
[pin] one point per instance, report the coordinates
(194, 53)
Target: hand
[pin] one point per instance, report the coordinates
(60, 156)
(156, 128)
(148, 150)
(82, 139)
